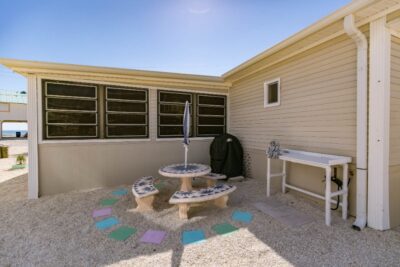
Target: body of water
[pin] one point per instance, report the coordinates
(13, 133)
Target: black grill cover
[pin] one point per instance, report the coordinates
(226, 154)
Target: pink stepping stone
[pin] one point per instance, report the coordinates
(101, 212)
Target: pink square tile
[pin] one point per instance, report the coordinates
(101, 212)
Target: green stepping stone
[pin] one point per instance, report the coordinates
(108, 201)
(159, 186)
(122, 233)
(224, 228)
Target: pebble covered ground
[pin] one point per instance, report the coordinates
(59, 231)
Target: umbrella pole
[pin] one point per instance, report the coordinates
(186, 152)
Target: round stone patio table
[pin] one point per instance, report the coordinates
(185, 174)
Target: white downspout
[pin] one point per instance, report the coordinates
(362, 119)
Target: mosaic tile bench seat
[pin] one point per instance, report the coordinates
(144, 191)
(219, 194)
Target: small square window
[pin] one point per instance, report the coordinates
(272, 93)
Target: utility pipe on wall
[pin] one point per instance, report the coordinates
(362, 119)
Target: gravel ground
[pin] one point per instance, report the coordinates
(59, 231)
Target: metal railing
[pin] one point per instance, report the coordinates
(7, 96)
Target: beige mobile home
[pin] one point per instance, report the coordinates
(332, 88)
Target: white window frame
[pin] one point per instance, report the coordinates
(46, 110)
(266, 87)
(145, 113)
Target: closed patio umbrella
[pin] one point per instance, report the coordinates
(186, 130)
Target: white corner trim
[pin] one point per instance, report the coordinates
(379, 125)
(32, 115)
(266, 84)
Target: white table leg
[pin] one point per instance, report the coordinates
(284, 177)
(345, 189)
(328, 196)
(268, 176)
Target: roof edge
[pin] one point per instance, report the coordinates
(25, 67)
(350, 8)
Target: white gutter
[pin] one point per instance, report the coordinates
(362, 119)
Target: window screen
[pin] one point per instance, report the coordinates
(126, 112)
(273, 93)
(209, 112)
(171, 106)
(70, 110)
(210, 115)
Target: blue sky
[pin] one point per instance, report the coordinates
(188, 36)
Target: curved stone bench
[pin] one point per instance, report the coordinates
(212, 178)
(144, 191)
(219, 194)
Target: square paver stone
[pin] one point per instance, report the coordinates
(274, 211)
(224, 228)
(153, 236)
(107, 223)
(285, 214)
(120, 192)
(101, 212)
(108, 201)
(193, 236)
(122, 233)
(242, 216)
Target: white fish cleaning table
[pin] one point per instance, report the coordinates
(324, 161)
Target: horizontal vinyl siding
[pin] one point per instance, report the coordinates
(318, 102)
(395, 104)
(394, 158)
(293, 48)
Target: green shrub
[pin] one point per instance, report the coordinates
(21, 159)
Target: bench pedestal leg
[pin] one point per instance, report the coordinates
(145, 203)
(211, 183)
(221, 202)
(183, 211)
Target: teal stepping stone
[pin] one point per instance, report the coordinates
(193, 236)
(122, 233)
(242, 216)
(107, 223)
(224, 228)
(120, 192)
(108, 201)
